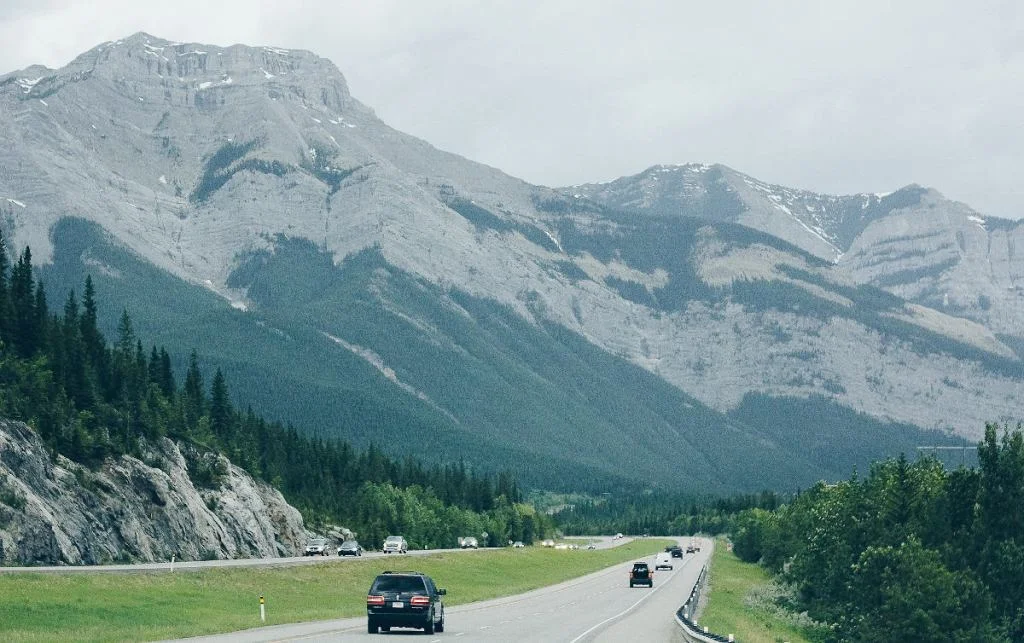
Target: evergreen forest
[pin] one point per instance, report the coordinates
(910, 552)
(90, 400)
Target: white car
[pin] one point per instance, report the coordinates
(663, 561)
(316, 547)
(395, 545)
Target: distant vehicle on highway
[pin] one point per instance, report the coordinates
(517, 544)
(316, 547)
(469, 543)
(691, 548)
(641, 574)
(404, 599)
(548, 543)
(675, 550)
(350, 548)
(591, 546)
(618, 536)
(663, 561)
(395, 545)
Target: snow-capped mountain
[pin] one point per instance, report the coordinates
(352, 279)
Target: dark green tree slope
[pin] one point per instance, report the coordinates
(90, 401)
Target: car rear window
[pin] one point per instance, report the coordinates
(398, 584)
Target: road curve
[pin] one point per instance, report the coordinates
(597, 607)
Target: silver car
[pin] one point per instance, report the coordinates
(395, 545)
(316, 547)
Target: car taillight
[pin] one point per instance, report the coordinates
(419, 601)
(376, 601)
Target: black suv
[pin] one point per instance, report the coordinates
(675, 550)
(641, 574)
(404, 599)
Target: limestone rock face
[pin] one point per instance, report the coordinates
(196, 157)
(133, 510)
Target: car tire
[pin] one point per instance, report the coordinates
(371, 627)
(429, 627)
(440, 626)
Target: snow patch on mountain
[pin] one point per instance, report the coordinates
(375, 360)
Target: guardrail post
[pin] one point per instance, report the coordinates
(263, 613)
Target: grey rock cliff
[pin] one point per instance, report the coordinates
(129, 510)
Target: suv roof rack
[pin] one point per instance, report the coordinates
(401, 572)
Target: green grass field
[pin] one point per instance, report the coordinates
(735, 604)
(138, 607)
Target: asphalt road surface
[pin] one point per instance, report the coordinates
(597, 607)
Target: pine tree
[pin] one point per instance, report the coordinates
(220, 409)
(194, 398)
(166, 380)
(23, 304)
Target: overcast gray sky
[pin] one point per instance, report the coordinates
(836, 96)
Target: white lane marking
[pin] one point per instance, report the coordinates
(461, 634)
(485, 627)
(620, 614)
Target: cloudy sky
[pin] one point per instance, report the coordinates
(839, 96)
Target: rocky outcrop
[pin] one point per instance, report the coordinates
(60, 512)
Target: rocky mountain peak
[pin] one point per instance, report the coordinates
(152, 69)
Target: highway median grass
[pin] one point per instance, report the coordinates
(164, 605)
(743, 600)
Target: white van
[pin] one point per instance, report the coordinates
(663, 561)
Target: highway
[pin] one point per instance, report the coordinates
(597, 607)
(195, 565)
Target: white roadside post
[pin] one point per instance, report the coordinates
(263, 610)
(172, 562)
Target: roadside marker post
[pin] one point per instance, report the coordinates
(263, 610)
(172, 562)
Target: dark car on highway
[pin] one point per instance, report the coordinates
(404, 599)
(350, 548)
(675, 550)
(641, 574)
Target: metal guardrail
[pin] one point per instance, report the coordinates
(685, 615)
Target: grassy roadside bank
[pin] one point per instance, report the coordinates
(137, 607)
(741, 602)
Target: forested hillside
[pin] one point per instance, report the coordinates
(911, 552)
(90, 400)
